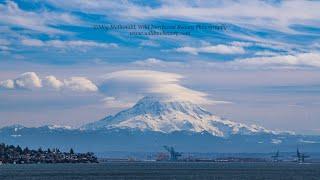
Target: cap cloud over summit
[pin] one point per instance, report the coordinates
(154, 83)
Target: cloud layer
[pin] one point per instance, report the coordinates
(42, 21)
(278, 15)
(296, 60)
(66, 44)
(31, 81)
(217, 49)
(130, 83)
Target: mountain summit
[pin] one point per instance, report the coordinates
(166, 116)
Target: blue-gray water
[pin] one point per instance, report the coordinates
(156, 170)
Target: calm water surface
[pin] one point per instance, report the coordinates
(156, 170)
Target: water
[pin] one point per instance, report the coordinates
(157, 170)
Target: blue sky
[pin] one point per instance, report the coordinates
(263, 68)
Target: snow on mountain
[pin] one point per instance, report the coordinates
(155, 114)
(59, 127)
(18, 127)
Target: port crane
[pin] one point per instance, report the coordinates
(173, 154)
(301, 156)
(276, 156)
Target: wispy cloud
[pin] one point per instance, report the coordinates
(116, 102)
(149, 43)
(264, 14)
(266, 53)
(216, 49)
(4, 45)
(93, 6)
(262, 60)
(66, 44)
(39, 21)
(297, 60)
(154, 62)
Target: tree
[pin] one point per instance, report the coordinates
(18, 149)
(26, 150)
(71, 151)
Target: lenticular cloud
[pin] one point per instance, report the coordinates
(154, 83)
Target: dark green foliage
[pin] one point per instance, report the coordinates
(71, 151)
(12, 154)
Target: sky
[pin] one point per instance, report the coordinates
(77, 61)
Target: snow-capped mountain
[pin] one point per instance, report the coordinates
(161, 115)
(154, 122)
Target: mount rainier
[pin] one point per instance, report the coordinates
(161, 115)
(153, 122)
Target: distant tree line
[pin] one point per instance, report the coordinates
(16, 155)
